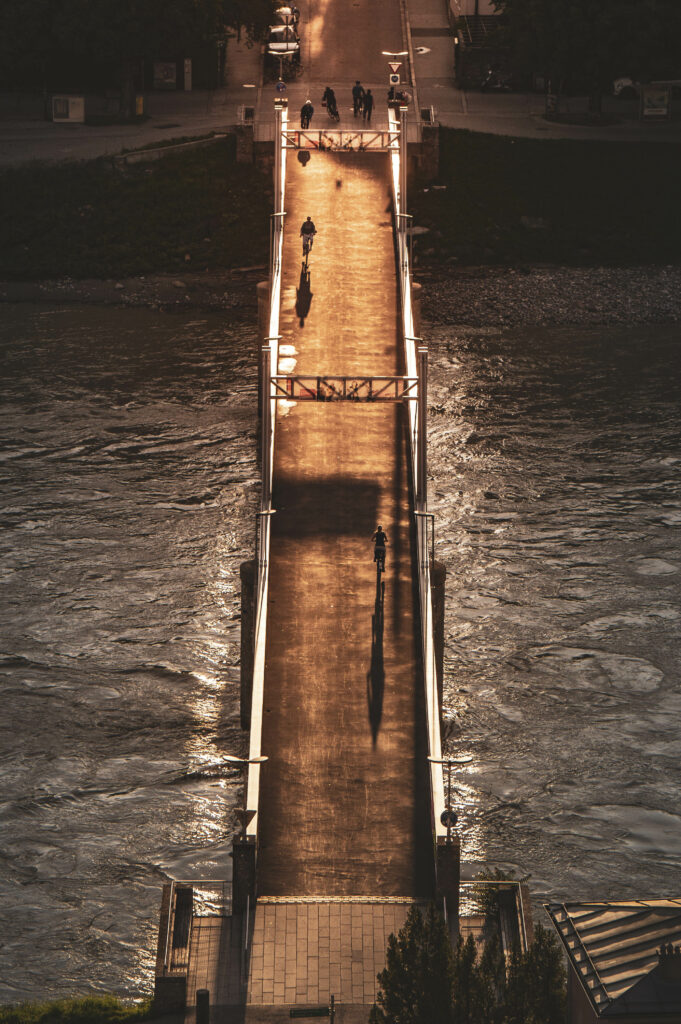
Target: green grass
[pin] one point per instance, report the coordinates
(87, 1010)
(601, 203)
(90, 220)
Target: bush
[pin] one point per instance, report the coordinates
(85, 1010)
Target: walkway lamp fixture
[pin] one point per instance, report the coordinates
(449, 816)
(243, 814)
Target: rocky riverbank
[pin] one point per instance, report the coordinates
(551, 296)
(472, 296)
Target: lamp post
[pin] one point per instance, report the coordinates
(449, 816)
(243, 814)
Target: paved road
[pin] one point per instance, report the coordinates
(344, 806)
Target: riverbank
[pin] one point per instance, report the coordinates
(466, 296)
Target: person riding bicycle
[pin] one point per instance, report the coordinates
(329, 98)
(380, 541)
(307, 233)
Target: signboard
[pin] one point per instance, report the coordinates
(394, 66)
(281, 86)
(309, 1011)
(656, 102)
(394, 79)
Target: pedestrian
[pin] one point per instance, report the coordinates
(368, 106)
(306, 112)
(357, 98)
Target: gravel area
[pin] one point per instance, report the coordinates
(234, 291)
(472, 296)
(551, 296)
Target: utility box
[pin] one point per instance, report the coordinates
(68, 109)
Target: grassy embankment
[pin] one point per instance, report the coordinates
(507, 201)
(515, 201)
(87, 1010)
(91, 220)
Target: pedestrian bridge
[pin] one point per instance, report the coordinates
(342, 824)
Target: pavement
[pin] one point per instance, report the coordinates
(345, 794)
(325, 62)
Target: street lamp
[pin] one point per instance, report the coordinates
(449, 816)
(242, 813)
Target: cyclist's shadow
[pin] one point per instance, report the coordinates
(376, 673)
(303, 295)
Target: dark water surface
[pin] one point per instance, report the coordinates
(129, 487)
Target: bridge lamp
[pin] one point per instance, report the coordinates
(243, 814)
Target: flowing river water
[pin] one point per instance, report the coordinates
(129, 489)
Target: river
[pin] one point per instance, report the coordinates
(129, 489)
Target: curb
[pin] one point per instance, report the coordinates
(140, 156)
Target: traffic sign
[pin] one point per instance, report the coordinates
(281, 87)
(309, 1011)
(394, 79)
(394, 65)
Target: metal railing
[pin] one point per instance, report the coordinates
(270, 355)
(324, 388)
(357, 140)
(416, 367)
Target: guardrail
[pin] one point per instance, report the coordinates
(416, 367)
(270, 355)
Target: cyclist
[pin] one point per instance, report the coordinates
(380, 541)
(307, 233)
(329, 98)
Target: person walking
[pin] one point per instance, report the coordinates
(306, 112)
(368, 106)
(357, 98)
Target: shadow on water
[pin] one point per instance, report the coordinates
(376, 673)
(303, 295)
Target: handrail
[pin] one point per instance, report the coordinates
(166, 962)
(425, 596)
(269, 422)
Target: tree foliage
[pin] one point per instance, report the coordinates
(426, 982)
(588, 44)
(40, 38)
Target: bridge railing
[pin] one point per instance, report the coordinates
(416, 367)
(270, 356)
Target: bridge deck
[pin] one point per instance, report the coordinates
(345, 796)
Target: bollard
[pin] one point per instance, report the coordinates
(202, 1006)
(248, 572)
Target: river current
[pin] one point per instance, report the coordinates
(129, 489)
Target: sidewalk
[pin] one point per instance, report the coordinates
(517, 114)
(170, 115)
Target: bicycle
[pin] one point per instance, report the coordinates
(379, 559)
(307, 245)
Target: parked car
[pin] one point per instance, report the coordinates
(283, 41)
(287, 15)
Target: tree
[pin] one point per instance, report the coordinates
(82, 44)
(589, 43)
(425, 982)
(416, 985)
